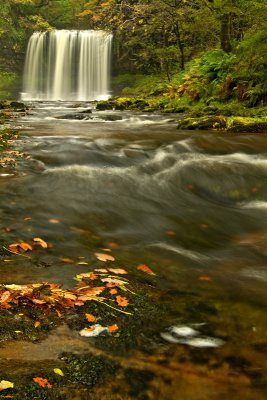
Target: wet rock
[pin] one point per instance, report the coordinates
(76, 116)
(13, 106)
(87, 111)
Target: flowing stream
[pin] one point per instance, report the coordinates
(190, 205)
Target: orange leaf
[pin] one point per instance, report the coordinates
(111, 285)
(104, 257)
(14, 247)
(43, 382)
(122, 301)
(95, 18)
(113, 328)
(92, 277)
(204, 278)
(113, 245)
(25, 246)
(113, 291)
(145, 268)
(37, 323)
(90, 318)
(170, 233)
(41, 242)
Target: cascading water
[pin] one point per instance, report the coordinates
(67, 65)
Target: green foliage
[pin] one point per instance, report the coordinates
(7, 82)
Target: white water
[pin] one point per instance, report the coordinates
(67, 65)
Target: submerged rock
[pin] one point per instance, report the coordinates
(76, 116)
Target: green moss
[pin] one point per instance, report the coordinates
(206, 122)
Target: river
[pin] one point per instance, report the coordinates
(190, 205)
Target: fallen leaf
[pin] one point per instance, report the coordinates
(122, 301)
(111, 285)
(94, 330)
(6, 385)
(113, 245)
(41, 242)
(67, 260)
(171, 233)
(118, 271)
(115, 281)
(113, 291)
(37, 323)
(104, 257)
(54, 221)
(42, 382)
(14, 247)
(204, 226)
(113, 328)
(90, 318)
(145, 268)
(204, 278)
(58, 371)
(82, 263)
(37, 301)
(25, 246)
(102, 270)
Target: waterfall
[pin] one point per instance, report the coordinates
(67, 65)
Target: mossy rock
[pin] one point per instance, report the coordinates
(247, 124)
(13, 106)
(206, 122)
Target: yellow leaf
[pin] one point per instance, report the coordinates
(37, 323)
(6, 385)
(58, 371)
(41, 242)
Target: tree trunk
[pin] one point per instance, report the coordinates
(180, 46)
(226, 33)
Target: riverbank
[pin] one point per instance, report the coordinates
(216, 117)
(217, 90)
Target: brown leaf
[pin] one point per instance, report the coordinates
(37, 301)
(104, 257)
(118, 271)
